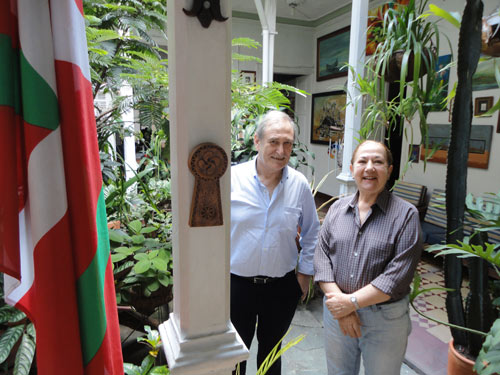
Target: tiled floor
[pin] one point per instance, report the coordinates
(428, 342)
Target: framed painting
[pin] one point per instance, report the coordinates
(332, 54)
(414, 153)
(479, 145)
(443, 72)
(482, 105)
(375, 21)
(484, 76)
(328, 117)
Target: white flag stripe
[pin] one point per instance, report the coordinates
(36, 38)
(15, 289)
(70, 43)
(46, 185)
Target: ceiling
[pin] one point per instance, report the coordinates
(306, 10)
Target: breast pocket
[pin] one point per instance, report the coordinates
(290, 219)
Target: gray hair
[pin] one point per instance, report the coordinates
(273, 117)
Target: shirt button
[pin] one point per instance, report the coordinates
(360, 233)
(355, 254)
(352, 275)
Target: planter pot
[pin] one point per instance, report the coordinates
(457, 363)
(393, 72)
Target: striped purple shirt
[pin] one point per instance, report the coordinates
(384, 251)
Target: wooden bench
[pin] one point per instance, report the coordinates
(413, 193)
(434, 224)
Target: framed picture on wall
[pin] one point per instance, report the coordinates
(248, 76)
(332, 54)
(328, 117)
(482, 105)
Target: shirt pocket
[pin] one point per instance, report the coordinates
(290, 220)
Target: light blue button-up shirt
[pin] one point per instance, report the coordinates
(264, 228)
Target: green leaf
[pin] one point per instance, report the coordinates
(117, 257)
(165, 280)
(142, 266)
(138, 239)
(154, 286)
(453, 18)
(159, 370)
(117, 236)
(124, 250)
(141, 256)
(160, 264)
(148, 230)
(131, 369)
(24, 355)
(8, 340)
(135, 226)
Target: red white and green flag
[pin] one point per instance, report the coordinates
(54, 246)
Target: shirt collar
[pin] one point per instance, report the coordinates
(382, 200)
(284, 175)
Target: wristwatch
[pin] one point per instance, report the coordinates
(354, 301)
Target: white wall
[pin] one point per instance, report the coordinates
(296, 53)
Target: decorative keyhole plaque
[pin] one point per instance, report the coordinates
(207, 163)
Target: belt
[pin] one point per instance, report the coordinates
(263, 279)
(260, 279)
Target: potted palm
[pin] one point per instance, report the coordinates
(407, 51)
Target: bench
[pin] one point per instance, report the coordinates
(413, 193)
(434, 224)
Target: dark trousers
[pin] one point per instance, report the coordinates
(271, 306)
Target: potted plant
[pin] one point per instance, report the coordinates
(406, 55)
(478, 312)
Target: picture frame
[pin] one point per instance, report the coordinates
(482, 105)
(439, 140)
(414, 153)
(249, 76)
(332, 53)
(328, 117)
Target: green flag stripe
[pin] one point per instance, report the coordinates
(91, 303)
(9, 73)
(40, 104)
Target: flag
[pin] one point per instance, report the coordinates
(54, 246)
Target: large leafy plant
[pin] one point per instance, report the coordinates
(17, 338)
(142, 266)
(488, 359)
(406, 56)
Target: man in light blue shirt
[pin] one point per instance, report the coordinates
(269, 202)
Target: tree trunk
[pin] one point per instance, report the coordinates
(469, 47)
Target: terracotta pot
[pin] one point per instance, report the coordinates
(457, 363)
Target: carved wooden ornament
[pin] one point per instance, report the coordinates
(206, 11)
(207, 163)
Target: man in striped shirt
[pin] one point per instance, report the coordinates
(367, 252)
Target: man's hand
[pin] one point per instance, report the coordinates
(304, 281)
(339, 304)
(350, 325)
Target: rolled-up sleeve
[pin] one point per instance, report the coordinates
(398, 273)
(309, 228)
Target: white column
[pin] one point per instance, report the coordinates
(359, 20)
(267, 17)
(199, 338)
(270, 11)
(129, 141)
